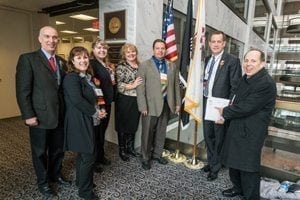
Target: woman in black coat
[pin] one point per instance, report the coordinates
(82, 116)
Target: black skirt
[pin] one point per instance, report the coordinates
(127, 115)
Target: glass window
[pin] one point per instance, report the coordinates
(239, 7)
(260, 20)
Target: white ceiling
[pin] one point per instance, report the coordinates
(32, 5)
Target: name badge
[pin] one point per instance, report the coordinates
(163, 77)
(98, 92)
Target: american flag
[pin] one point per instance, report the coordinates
(168, 33)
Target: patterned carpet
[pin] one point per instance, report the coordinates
(121, 180)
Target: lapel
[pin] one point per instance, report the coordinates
(154, 68)
(46, 64)
(222, 65)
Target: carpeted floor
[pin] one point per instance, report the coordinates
(121, 180)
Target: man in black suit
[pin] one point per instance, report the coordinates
(39, 94)
(222, 71)
(249, 114)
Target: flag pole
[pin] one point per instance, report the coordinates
(193, 163)
(177, 157)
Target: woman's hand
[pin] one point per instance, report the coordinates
(102, 113)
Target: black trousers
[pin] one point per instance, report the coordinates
(100, 134)
(214, 138)
(47, 153)
(248, 183)
(84, 174)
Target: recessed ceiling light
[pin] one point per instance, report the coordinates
(67, 31)
(83, 17)
(91, 29)
(59, 23)
(78, 38)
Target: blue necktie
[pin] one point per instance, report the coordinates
(211, 67)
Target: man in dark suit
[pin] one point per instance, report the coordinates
(39, 76)
(222, 72)
(249, 114)
(157, 96)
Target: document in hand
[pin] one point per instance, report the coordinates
(211, 113)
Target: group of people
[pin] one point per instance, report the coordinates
(67, 106)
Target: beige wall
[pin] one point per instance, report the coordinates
(16, 37)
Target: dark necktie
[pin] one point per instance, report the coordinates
(211, 67)
(52, 64)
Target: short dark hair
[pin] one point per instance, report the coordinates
(217, 33)
(262, 54)
(158, 41)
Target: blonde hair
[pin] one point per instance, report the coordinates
(124, 48)
(104, 44)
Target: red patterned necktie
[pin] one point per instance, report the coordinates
(52, 64)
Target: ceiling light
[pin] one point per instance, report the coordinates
(91, 29)
(69, 32)
(78, 38)
(83, 17)
(59, 23)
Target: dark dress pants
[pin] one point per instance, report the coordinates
(214, 138)
(47, 153)
(84, 174)
(248, 183)
(100, 135)
(154, 134)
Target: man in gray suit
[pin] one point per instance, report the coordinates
(40, 98)
(222, 72)
(157, 96)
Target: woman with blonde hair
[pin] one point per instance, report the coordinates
(127, 114)
(105, 74)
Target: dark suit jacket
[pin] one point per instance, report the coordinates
(103, 75)
(228, 73)
(249, 119)
(37, 89)
(80, 102)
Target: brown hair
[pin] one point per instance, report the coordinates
(75, 52)
(158, 41)
(217, 33)
(262, 54)
(124, 48)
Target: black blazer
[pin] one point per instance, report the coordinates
(103, 75)
(249, 119)
(228, 73)
(38, 91)
(80, 103)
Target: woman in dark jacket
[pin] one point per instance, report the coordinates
(82, 116)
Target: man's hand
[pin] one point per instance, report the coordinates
(221, 120)
(31, 121)
(177, 110)
(144, 113)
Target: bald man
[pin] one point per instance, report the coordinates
(40, 99)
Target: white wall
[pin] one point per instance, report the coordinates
(16, 37)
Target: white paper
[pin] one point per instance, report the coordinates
(211, 113)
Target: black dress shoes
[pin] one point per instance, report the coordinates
(232, 192)
(46, 191)
(206, 168)
(161, 160)
(63, 182)
(212, 176)
(146, 165)
(105, 161)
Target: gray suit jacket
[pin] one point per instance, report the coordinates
(149, 95)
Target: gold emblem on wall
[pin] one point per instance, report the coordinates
(114, 25)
